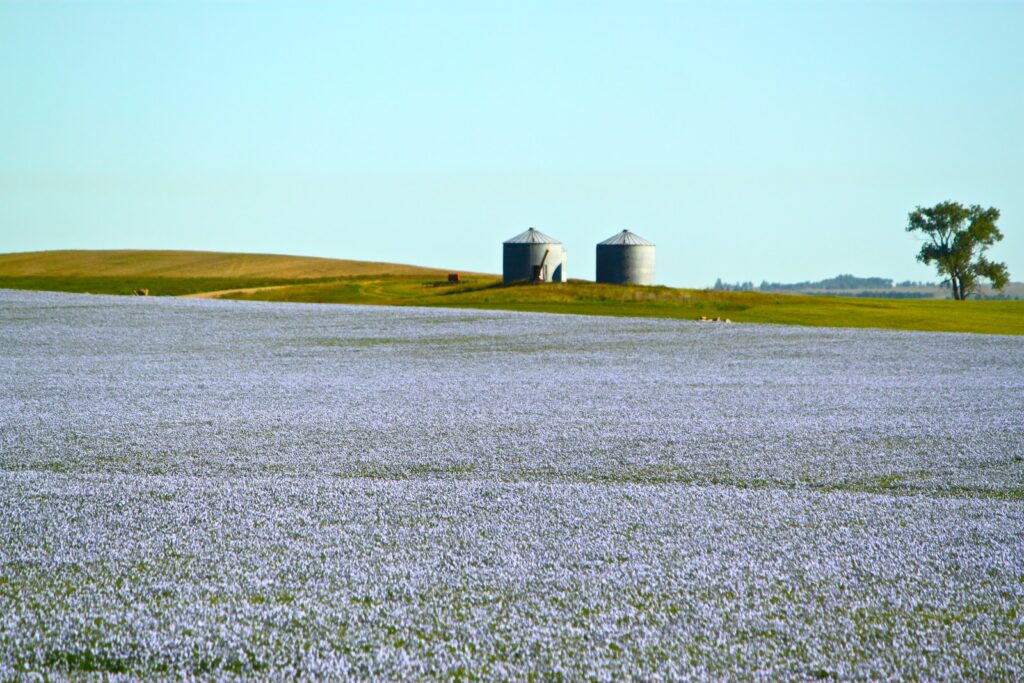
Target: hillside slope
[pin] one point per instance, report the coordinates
(589, 298)
(191, 264)
(180, 273)
(267, 277)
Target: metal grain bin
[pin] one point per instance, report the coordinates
(625, 259)
(533, 256)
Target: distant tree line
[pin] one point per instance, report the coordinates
(845, 281)
(839, 282)
(738, 287)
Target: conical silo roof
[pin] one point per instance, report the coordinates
(532, 236)
(626, 238)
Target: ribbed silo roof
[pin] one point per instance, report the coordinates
(532, 236)
(626, 238)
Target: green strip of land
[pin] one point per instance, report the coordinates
(588, 298)
(256, 277)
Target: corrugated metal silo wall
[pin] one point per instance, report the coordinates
(625, 264)
(518, 260)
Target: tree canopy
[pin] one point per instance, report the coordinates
(956, 240)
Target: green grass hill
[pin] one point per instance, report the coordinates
(316, 280)
(186, 264)
(175, 273)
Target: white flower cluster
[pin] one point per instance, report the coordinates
(222, 489)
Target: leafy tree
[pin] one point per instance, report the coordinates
(957, 238)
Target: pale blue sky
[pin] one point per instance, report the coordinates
(780, 141)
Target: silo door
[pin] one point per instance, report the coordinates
(540, 273)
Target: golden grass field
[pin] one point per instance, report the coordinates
(191, 264)
(300, 279)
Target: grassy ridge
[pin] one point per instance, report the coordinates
(588, 298)
(177, 273)
(312, 280)
(175, 265)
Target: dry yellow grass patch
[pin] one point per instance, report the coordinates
(192, 264)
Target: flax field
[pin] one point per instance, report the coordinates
(225, 489)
